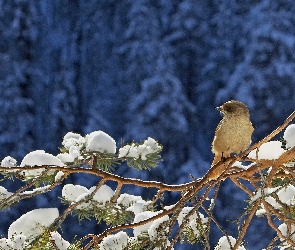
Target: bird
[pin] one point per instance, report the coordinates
(233, 133)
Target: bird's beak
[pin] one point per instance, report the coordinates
(218, 108)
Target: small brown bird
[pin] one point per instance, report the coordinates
(233, 133)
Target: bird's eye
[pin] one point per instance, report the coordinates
(229, 108)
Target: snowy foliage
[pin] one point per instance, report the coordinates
(151, 224)
(31, 224)
(137, 69)
(101, 142)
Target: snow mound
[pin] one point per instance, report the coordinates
(40, 158)
(31, 224)
(8, 162)
(76, 193)
(289, 136)
(101, 142)
(270, 150)
(114, 242)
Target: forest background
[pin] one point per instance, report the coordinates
(142, 68)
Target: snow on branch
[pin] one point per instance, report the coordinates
(267, 167)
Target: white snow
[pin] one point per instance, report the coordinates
(72, 192)
(194, 220)
(103, 194)
(114, 242)
(4, 193)
(289, 136)
(6, 244)
(73, 139)
(59, 241)
(8, 162)
(285, 195)
(266, 191)
(138, 206)
(150, 142)
(149, 146)
(66, 157)
(58, 176)
(152, 230)
(101, 142)
(40, 158)
(32, 223)
(140, 217)
(270, 150)
(223, 244)
(129, 151)
(128, 199)
(143, 151)
(17, 242)
(284, 229)
(39, 189)
(76, 193)
(73, 142)
(183, 213)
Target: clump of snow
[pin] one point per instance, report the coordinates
(72, 192)
(138, 206)
(285, 195)
(114, 242)
(8, 162)
(289, 234)
(225, 243)
(152, 230)
(66, 157)
(39, 158)
(169, 207)
(149, 146)
(73, 142)
(194, 220)
(128, 199)
(17, 242)
(6, 244)
(76, 193)
(58, 176)
(73, 139)
(59, 241)
(152, 143)
(129, 151)
(103, 194)
(240, 165)
(42, 189)
(289, 136)
(31, 224)
(265, 192)
(140, 217)
(270, 150)
(101, 142)
(4, 193)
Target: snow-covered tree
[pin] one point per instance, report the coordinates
(264, 78)
(137, 222)
(162, 110)
(17, 32)
(141, 45)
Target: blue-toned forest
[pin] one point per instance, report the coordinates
(139, 68)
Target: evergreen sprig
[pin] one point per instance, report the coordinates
(152, 161)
